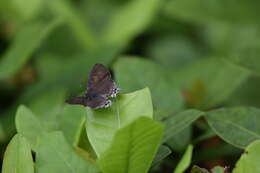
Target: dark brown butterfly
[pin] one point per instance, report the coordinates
(100, 88)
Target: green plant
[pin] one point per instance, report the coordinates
(199, 59)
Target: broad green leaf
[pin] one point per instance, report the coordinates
(237, 126)
(196, 169)
(70, 122)
(130, 20)
(249, 161)
(56, 155)
(18, 156)
(143, 73)
(161, 154)
(102, 124)
(174, 124)
(203, 79)
(185, 160)
(24, 45)
(81, 30)
(28, 125)
(133, 147)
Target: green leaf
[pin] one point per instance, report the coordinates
(181, 140)
(219, 169)
(173, 50)
(249, 161)
(208, 12)
(18, 156)
(18, 12)
(70, 122)
(24, 45)
(196, 169)
(130, 20)
(28, 125)
(47, 106)
(161, 154)
(237, 126)
(176, 123)
(203, 79)
(102, 124)
(185, 160)
(133, 147)
(68, 13)
(143, 73)
(248, 59)
(55, 155)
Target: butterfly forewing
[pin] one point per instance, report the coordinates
(100, 81)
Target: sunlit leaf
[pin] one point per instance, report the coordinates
(55, 155)
(249, 161)
(18, 156)
(102, 124)
(133, 147)
(185, 160)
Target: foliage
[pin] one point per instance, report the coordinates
(189, 73)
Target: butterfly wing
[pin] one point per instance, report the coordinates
(101, 83)
(90, 101)
(77, 101)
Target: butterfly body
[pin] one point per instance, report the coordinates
(100, 88)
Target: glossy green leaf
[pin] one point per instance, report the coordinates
(102, 124)
(237, 126)
(133, 147)
(28, 125)
(249, 161)
(18, 156)
(203, 79)
(132, 19)
(56, 155)
(176, 123)
(143, 73)
(161, 154)
(196, 169)
(24, 45)
(185, 160)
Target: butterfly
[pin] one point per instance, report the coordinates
(100, 87)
